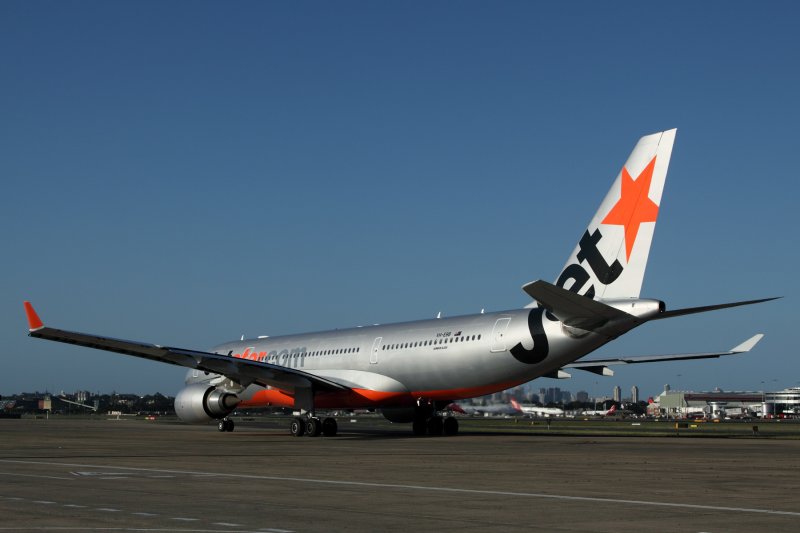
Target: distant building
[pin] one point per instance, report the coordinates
(582, 396)
(617, 393)
(550, 395)
(785, 403)
(635, 394)
(681, 404)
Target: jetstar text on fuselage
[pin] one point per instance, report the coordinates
(253, 355)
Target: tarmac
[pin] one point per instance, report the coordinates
(135, 475)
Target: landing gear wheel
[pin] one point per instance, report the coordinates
(330, 427)
(225, 425)
(419, 426)
(313, 427)
(435, 425)
(297, 427)
(450, 426)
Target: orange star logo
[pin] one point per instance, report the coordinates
(634, 205)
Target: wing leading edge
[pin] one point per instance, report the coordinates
(243, 371)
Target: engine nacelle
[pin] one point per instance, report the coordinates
(200, 403)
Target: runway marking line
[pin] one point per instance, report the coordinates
(143, 514)
(424, 488)
(31, 475)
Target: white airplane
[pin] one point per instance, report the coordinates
(412, 370)
(536, 410)
(492, 409)
(607, 412)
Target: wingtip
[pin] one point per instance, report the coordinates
(748, 345)
(34, 322)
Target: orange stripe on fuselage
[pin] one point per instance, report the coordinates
(365, 398)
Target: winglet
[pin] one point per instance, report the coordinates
(34, 322)
(747, 345)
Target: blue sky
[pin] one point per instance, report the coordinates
(185, 173)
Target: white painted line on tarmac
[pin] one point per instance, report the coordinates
(425, 488)
(141, 530)
(33, 475)
(240, 527)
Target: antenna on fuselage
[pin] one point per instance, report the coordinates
(439, 314)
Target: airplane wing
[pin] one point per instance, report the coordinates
(243, 371)
(600, 366)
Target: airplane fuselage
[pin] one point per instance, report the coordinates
(439, 359)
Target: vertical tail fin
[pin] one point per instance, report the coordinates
(610, 258)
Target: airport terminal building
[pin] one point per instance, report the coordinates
(721, 405)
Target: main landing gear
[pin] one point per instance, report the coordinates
(435, 426)
(428, 421)
(226, 424)
(313, 427)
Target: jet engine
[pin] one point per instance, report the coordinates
(200, 403)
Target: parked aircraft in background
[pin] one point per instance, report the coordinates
(412, 370)
(537, 410)
(495, 409)
(607, 412)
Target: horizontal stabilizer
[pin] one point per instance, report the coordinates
(703, 309)
(593, 364)
(573, 309)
